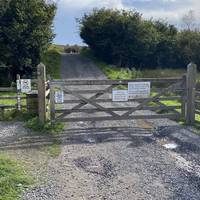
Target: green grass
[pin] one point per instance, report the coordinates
(13, 179)
(57, 47)
(15, 115)
(53, 150)
(52, 61)
(46, 128)
(10, 101)
(113, 72)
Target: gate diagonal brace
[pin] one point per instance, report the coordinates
(80, 105)
(140, 106)
(89, 101)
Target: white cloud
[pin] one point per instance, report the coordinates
(89, 4)
(172, 10)
(175, 13)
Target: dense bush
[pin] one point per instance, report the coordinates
(25, 33)
(125, 39)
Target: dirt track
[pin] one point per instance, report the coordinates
(75, 66)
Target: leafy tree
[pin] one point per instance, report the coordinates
(119, 37)
(167, 44)
(25, 33)
(188, 47)
(125, 39)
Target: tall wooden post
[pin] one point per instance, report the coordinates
(41, 74)
(184, 97)
(52, 103)
(190, 96)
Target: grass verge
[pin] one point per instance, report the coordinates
(10, 101)
(46, 128)
(13, 179)
(52, 61)
(15, 115)
(53, 150)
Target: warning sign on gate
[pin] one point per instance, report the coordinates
(119, 95)
(59, 97)
(25, 85)
(139, 89)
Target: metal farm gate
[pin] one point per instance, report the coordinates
(92, 100)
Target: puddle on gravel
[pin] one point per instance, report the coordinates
(170, 146)
(89, 140)
(167, 144)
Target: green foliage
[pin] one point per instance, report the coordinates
(53, 150)
(57, 47)
(15, 115)
(118, 37)
(46, 128)
(113, 72)
(189, 47)
(13, 179)
(125, 39)
(25, 33)
(52, 61)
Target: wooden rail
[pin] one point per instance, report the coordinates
(67, 82)
(7, 89)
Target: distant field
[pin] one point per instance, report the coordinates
(57, 47)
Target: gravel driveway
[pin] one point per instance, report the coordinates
(111, 163)
(115, 160)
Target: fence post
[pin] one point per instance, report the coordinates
(52, 104)
(190, 93)
(41, 79)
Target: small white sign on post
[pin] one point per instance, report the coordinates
(25, 85)
(59, 97)
(119, 95)
(18, 85)
(139, 89)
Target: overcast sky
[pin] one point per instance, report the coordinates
(66, 27)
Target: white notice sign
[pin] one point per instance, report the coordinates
(119, 95)
(25, 85)
(18, 85)
(59, 97)
(139, 89)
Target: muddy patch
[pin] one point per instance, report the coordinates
(99, 166)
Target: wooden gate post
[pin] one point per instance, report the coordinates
(41, 79)
(190, 93)
(52, 104)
